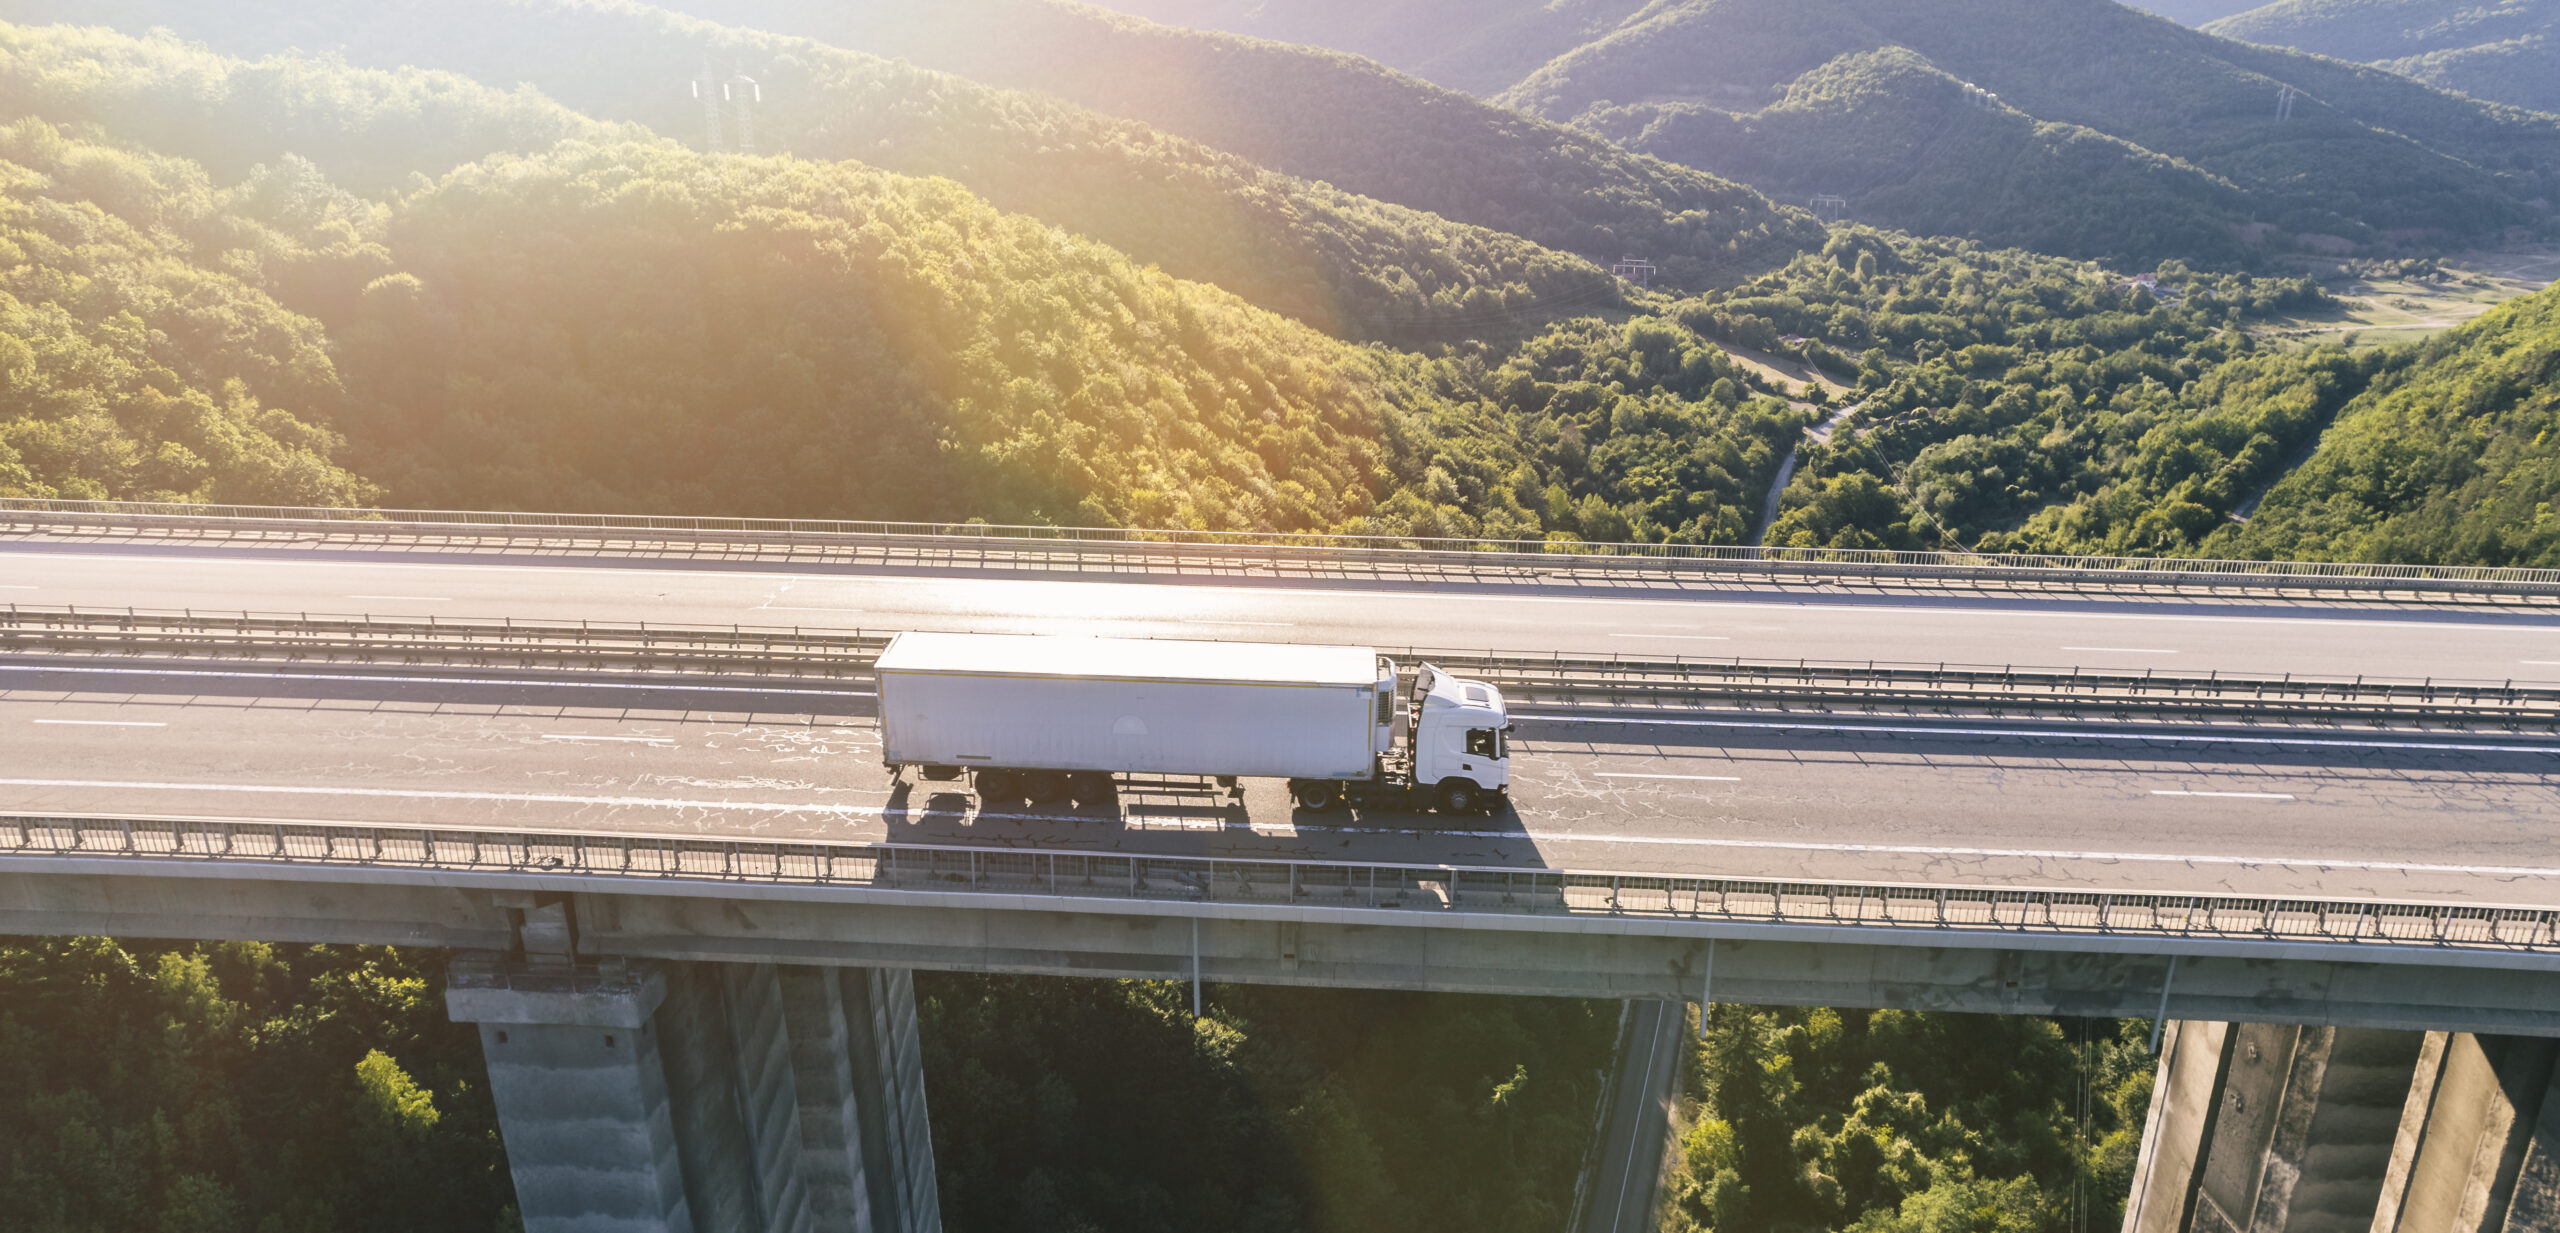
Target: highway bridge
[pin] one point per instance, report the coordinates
(631, 765)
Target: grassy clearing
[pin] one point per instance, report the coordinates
(2381, 312)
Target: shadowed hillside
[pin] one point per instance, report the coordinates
(1330, 117)
(2507, 51)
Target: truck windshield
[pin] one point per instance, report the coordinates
(1486, 743)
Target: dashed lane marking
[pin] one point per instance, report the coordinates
(1649, 775)
(537, 682)
(2056, 733)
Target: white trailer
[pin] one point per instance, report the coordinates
(1055, 719)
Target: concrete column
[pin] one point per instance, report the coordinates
(2264, 1128)
(888, 1074)
(575, 1071)
(2260, 1128)
(715, 1096)
(2477, 1138)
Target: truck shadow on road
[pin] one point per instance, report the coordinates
(1260, 823)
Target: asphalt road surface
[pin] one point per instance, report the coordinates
(2084, 806)
(1637, 1130)
(1719, 620)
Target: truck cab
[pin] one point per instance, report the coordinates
(1459, 734)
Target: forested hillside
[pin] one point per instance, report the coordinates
(623, 325)
(2452, 456)
(1349, 265)
(235, 1086)
(1333, 118)
(1900, 1122)
(139, 357)
(2014, 401)
(2507, 51)
(1479, 46)
(1913, 146)
(2364, 158)
(1102, 1105)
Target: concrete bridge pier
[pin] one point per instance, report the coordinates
(2280, 1128)
(680, 1097)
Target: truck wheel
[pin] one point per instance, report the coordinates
(1046, 787)
(1460, 796)
(997, 787)
(1314, 796)
(1090, 787)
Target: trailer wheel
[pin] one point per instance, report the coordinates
(998, 787)
(1314, 795)
(1045, 787)
(1460, 796)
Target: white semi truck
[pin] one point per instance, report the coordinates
(1054, 719)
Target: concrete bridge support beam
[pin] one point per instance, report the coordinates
(2267, 1128)
(694, 1097)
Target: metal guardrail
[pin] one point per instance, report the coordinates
(986, 543)
(796, 652)
(1423, 890)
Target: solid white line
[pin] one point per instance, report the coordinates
(104, 723)
(811, 807)
(1677, 637)
(787, 608)
(424, 599)
(641, 740)
(1208, 621)
(2174, 738)
(2244, 796)
(2119, 650)
(446, 680)
(2544, 663)
(1647, 775)
(12, 586)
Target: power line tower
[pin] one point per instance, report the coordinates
(1829, 207)
(728, 107)
(706, 91)
(1636, 270)
(2284, 102)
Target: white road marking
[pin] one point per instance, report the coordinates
(2242, 796)
(543, 682)
(104, 723)
(12, 586)
(637, 740)
(1207, 621)
(786, 608)
(2544, 663)
(869, 811)
(1648, 775)
(1677, 637)
(423, 599)
(2073, 734)
(2120, 650)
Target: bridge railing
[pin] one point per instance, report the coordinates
(981, 540)
(1422, 890)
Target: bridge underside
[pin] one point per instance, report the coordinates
(2405, 988)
